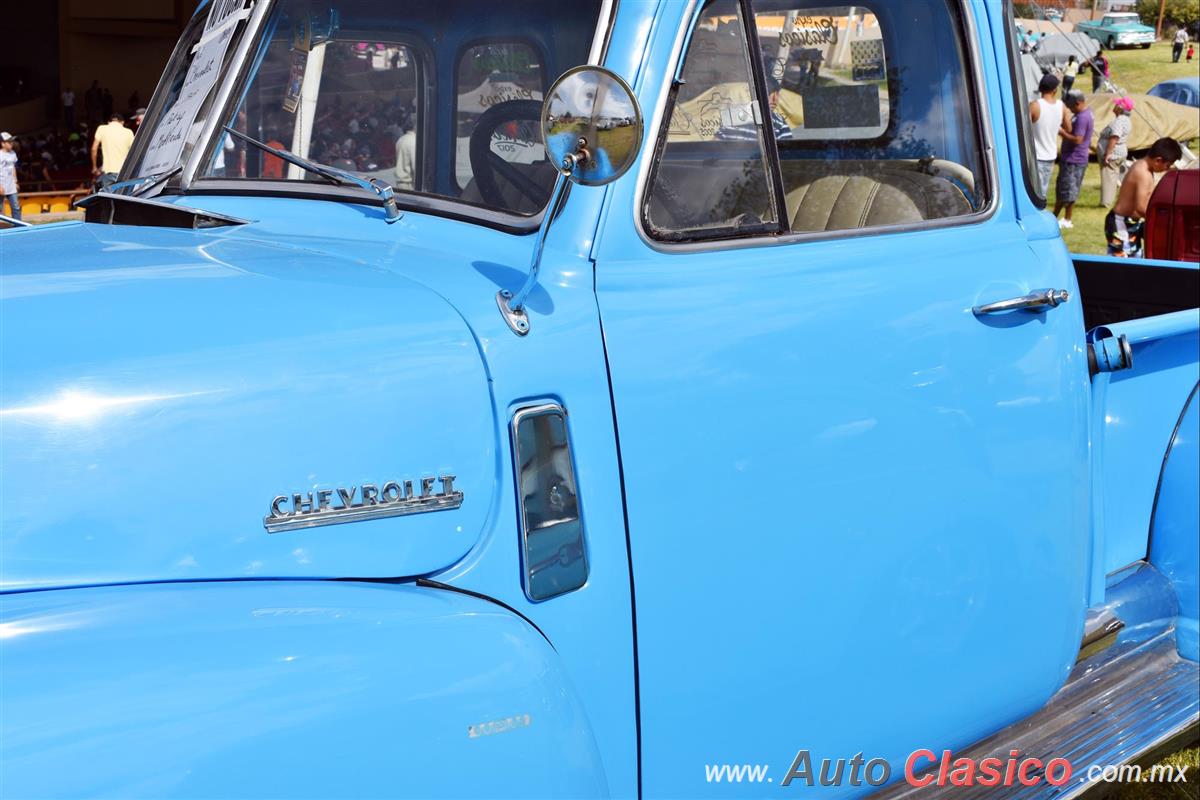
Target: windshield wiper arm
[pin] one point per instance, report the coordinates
(334, 175)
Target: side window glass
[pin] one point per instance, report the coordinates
(711, 177)
(826, 72)
(873, 106)
(506, 76)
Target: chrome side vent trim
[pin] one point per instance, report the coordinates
(553, 546)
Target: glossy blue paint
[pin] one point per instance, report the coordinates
(1134, 416)
(852, 457)
(561, 360)
(285, 689)
(1110, 352)
(1174, 544)
(847, 496)
(162, 386)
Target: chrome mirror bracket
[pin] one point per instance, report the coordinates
(516, 318)
(513, 306)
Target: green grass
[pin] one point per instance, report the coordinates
(1185, 790)
(1135, 71)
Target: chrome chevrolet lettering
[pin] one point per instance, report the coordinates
(395, 499)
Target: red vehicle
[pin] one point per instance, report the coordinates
(1173, 217)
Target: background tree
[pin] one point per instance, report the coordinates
(1178, 12)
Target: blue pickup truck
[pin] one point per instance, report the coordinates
(723, 417)
(1118, 29)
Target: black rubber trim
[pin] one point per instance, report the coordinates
(1163, 469)
(432, 584)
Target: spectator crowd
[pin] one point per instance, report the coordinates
(1125, 187)
(85, 145)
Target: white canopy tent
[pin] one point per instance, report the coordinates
(1053, 51)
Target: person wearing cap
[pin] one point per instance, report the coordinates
(1077, 138)
(1047, 115)
(114, 139)
(9, 188)
(1112, 151)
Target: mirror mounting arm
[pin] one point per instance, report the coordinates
(512, 307)
(592, 129)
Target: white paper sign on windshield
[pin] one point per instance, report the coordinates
(171, 132)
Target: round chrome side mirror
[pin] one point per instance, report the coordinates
(592, 129)
(591, 125)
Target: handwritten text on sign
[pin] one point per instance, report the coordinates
(170, 133)
(810, 31)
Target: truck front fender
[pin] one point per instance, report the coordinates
(284, 689)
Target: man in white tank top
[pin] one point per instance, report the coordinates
(1047, 115)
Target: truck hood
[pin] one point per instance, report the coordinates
(159, 389)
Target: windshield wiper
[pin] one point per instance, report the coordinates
(334, 175)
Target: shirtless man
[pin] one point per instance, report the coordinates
(1124, 227)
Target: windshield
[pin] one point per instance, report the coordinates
(441, 99)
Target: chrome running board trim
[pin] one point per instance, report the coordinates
(1117, 707)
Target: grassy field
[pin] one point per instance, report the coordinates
(1135, 71)
(1185, 790)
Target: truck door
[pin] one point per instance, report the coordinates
(857, 509)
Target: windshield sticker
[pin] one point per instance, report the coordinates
(291, 98)
(170, 134)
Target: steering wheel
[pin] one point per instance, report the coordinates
(486, 166)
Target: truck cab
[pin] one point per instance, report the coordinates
(411, 420)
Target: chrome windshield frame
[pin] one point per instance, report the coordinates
(218, 111)
(191, 180)
(154, 110)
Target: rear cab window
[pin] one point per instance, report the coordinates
(490, 74)
(850, 117)
(827, 70)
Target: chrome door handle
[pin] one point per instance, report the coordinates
(1034, 301)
